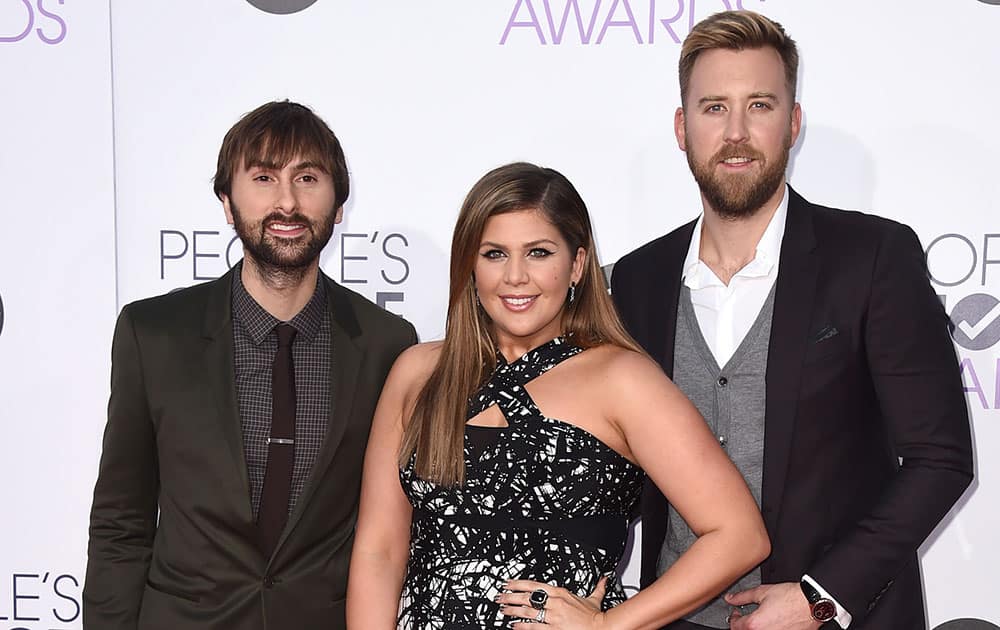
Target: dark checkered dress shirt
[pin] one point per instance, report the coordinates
(255, 343)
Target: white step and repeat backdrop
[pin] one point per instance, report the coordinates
(112, 114)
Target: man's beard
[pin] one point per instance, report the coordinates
(282, 259)
(739, 195)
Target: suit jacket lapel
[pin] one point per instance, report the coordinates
(347, 357)
(663, 323)
(793, 305)
(220, 378)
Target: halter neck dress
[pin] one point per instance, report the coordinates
(542, 500)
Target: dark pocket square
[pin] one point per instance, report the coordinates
(825, 333)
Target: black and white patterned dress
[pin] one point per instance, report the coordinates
(543, 500)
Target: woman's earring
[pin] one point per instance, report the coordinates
(572, 292)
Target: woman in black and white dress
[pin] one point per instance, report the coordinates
(506, 461)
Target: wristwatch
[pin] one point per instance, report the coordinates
(822, 608)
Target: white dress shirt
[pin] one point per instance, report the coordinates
(725, 313)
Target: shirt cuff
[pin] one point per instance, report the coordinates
(843, 617)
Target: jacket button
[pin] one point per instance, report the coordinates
(723, 381)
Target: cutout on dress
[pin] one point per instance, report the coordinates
(490, 418)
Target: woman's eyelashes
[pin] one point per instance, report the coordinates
(534, 252)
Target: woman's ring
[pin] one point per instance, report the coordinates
(538, 599)
(540, 617)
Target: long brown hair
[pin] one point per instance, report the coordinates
(436, 429)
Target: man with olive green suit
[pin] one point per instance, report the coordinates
(240, 411)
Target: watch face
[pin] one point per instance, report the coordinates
(824, 610)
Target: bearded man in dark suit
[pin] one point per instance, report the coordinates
(813, 344)
(240, 411)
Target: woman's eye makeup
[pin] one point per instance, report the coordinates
(534, 252)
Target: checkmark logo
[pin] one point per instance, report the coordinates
(973, 330)
(977, 321)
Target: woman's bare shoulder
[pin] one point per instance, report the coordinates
(616, 362)
(415, 364)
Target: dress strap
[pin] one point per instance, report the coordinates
(505, 386)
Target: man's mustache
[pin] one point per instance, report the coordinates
(286, 218)
(730, 151)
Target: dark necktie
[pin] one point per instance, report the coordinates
(281, 445)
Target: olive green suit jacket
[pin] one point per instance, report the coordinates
(173, 542)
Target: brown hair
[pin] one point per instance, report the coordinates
(436, 429)
(737, 30)
(274, 134)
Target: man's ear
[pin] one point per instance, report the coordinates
(796, 124)
(227, 207)
(339, 216)
(679, 130)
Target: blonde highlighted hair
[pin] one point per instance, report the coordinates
(737, 30)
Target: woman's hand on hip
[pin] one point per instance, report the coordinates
(531, 603)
